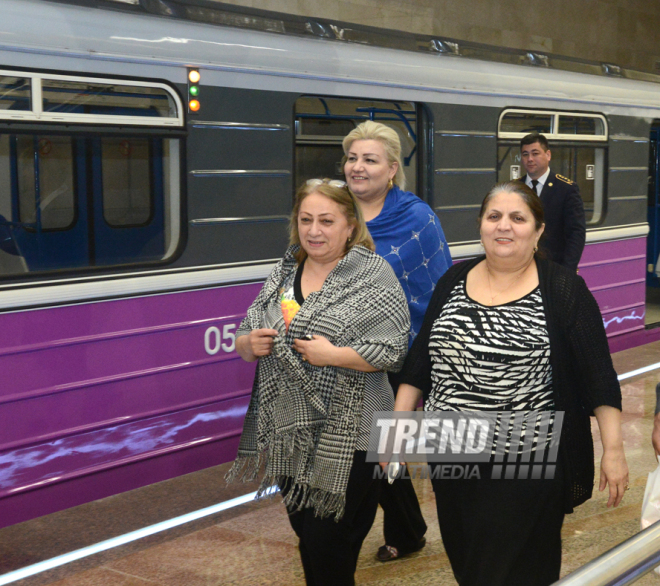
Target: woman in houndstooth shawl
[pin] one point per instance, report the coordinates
(329, 322)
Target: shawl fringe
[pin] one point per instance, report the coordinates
(299, 496)
(303, 496)
(246, 468)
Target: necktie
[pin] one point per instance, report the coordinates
(535, 182)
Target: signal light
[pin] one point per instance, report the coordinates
(193, 90)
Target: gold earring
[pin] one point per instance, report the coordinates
(536, 249)
(390, 184)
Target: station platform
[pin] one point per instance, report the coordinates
(253, 544)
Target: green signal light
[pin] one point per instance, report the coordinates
(194, 90)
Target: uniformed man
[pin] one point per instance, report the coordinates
(565, 225)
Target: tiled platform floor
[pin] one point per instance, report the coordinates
(254, 544)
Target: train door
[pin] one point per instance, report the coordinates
(653, 240)
(323, 122)
(128, 199)
(48, 199)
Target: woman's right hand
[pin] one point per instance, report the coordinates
(256, 344)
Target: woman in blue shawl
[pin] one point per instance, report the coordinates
(407, 233)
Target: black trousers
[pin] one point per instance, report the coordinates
(502, 532)
(403, 523)
(328, 549)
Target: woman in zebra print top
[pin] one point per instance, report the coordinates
(510, 331)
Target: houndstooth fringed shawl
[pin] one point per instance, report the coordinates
(303, 420)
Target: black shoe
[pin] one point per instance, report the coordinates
(388, 553)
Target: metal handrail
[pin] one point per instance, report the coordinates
(623, 564)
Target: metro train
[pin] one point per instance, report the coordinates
(135, 230)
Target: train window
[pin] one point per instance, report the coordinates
(92, 97)
(46, 97)
(126, 173)
(14, 93)
(75, 201)
(45, 192)
(577, 146)
(324, 128)
(580, 125)
(323, 122)
(585, 165)
(555, 125)
(526, 122)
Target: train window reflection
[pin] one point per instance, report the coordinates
(14, 93)
(583, 164)
(126, 172)
(580, 125)
(577, 146)
(526, 122)
(45, 192)
(322, 123)
(554, 124)
(75, 201)
(11, 261)
(91, 97)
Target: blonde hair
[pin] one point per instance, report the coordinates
(342, 197)
(387, 136)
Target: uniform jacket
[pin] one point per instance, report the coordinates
(583, 377)
(565, 225)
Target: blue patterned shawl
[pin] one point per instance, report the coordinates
(408, 235)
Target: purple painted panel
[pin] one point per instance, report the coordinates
(60, 323)
(95, 390)
(624, 320)
(612, 250)
(633, 339)
(97, 379)
(614, 273)
(110, 400)
(32, 467)
(57, 496)
(612, 298)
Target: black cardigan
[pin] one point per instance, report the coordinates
(583, 376)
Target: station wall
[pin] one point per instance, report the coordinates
(623, 32)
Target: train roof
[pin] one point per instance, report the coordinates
(267, 50)
(222, 14)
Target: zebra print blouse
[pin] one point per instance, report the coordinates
(490, 358)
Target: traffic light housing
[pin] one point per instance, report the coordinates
(193, 90)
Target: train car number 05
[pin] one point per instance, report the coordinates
(214, 340)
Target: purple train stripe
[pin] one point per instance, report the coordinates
(70, 457)
(100, 398)
(111, 389)
(615, 272)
